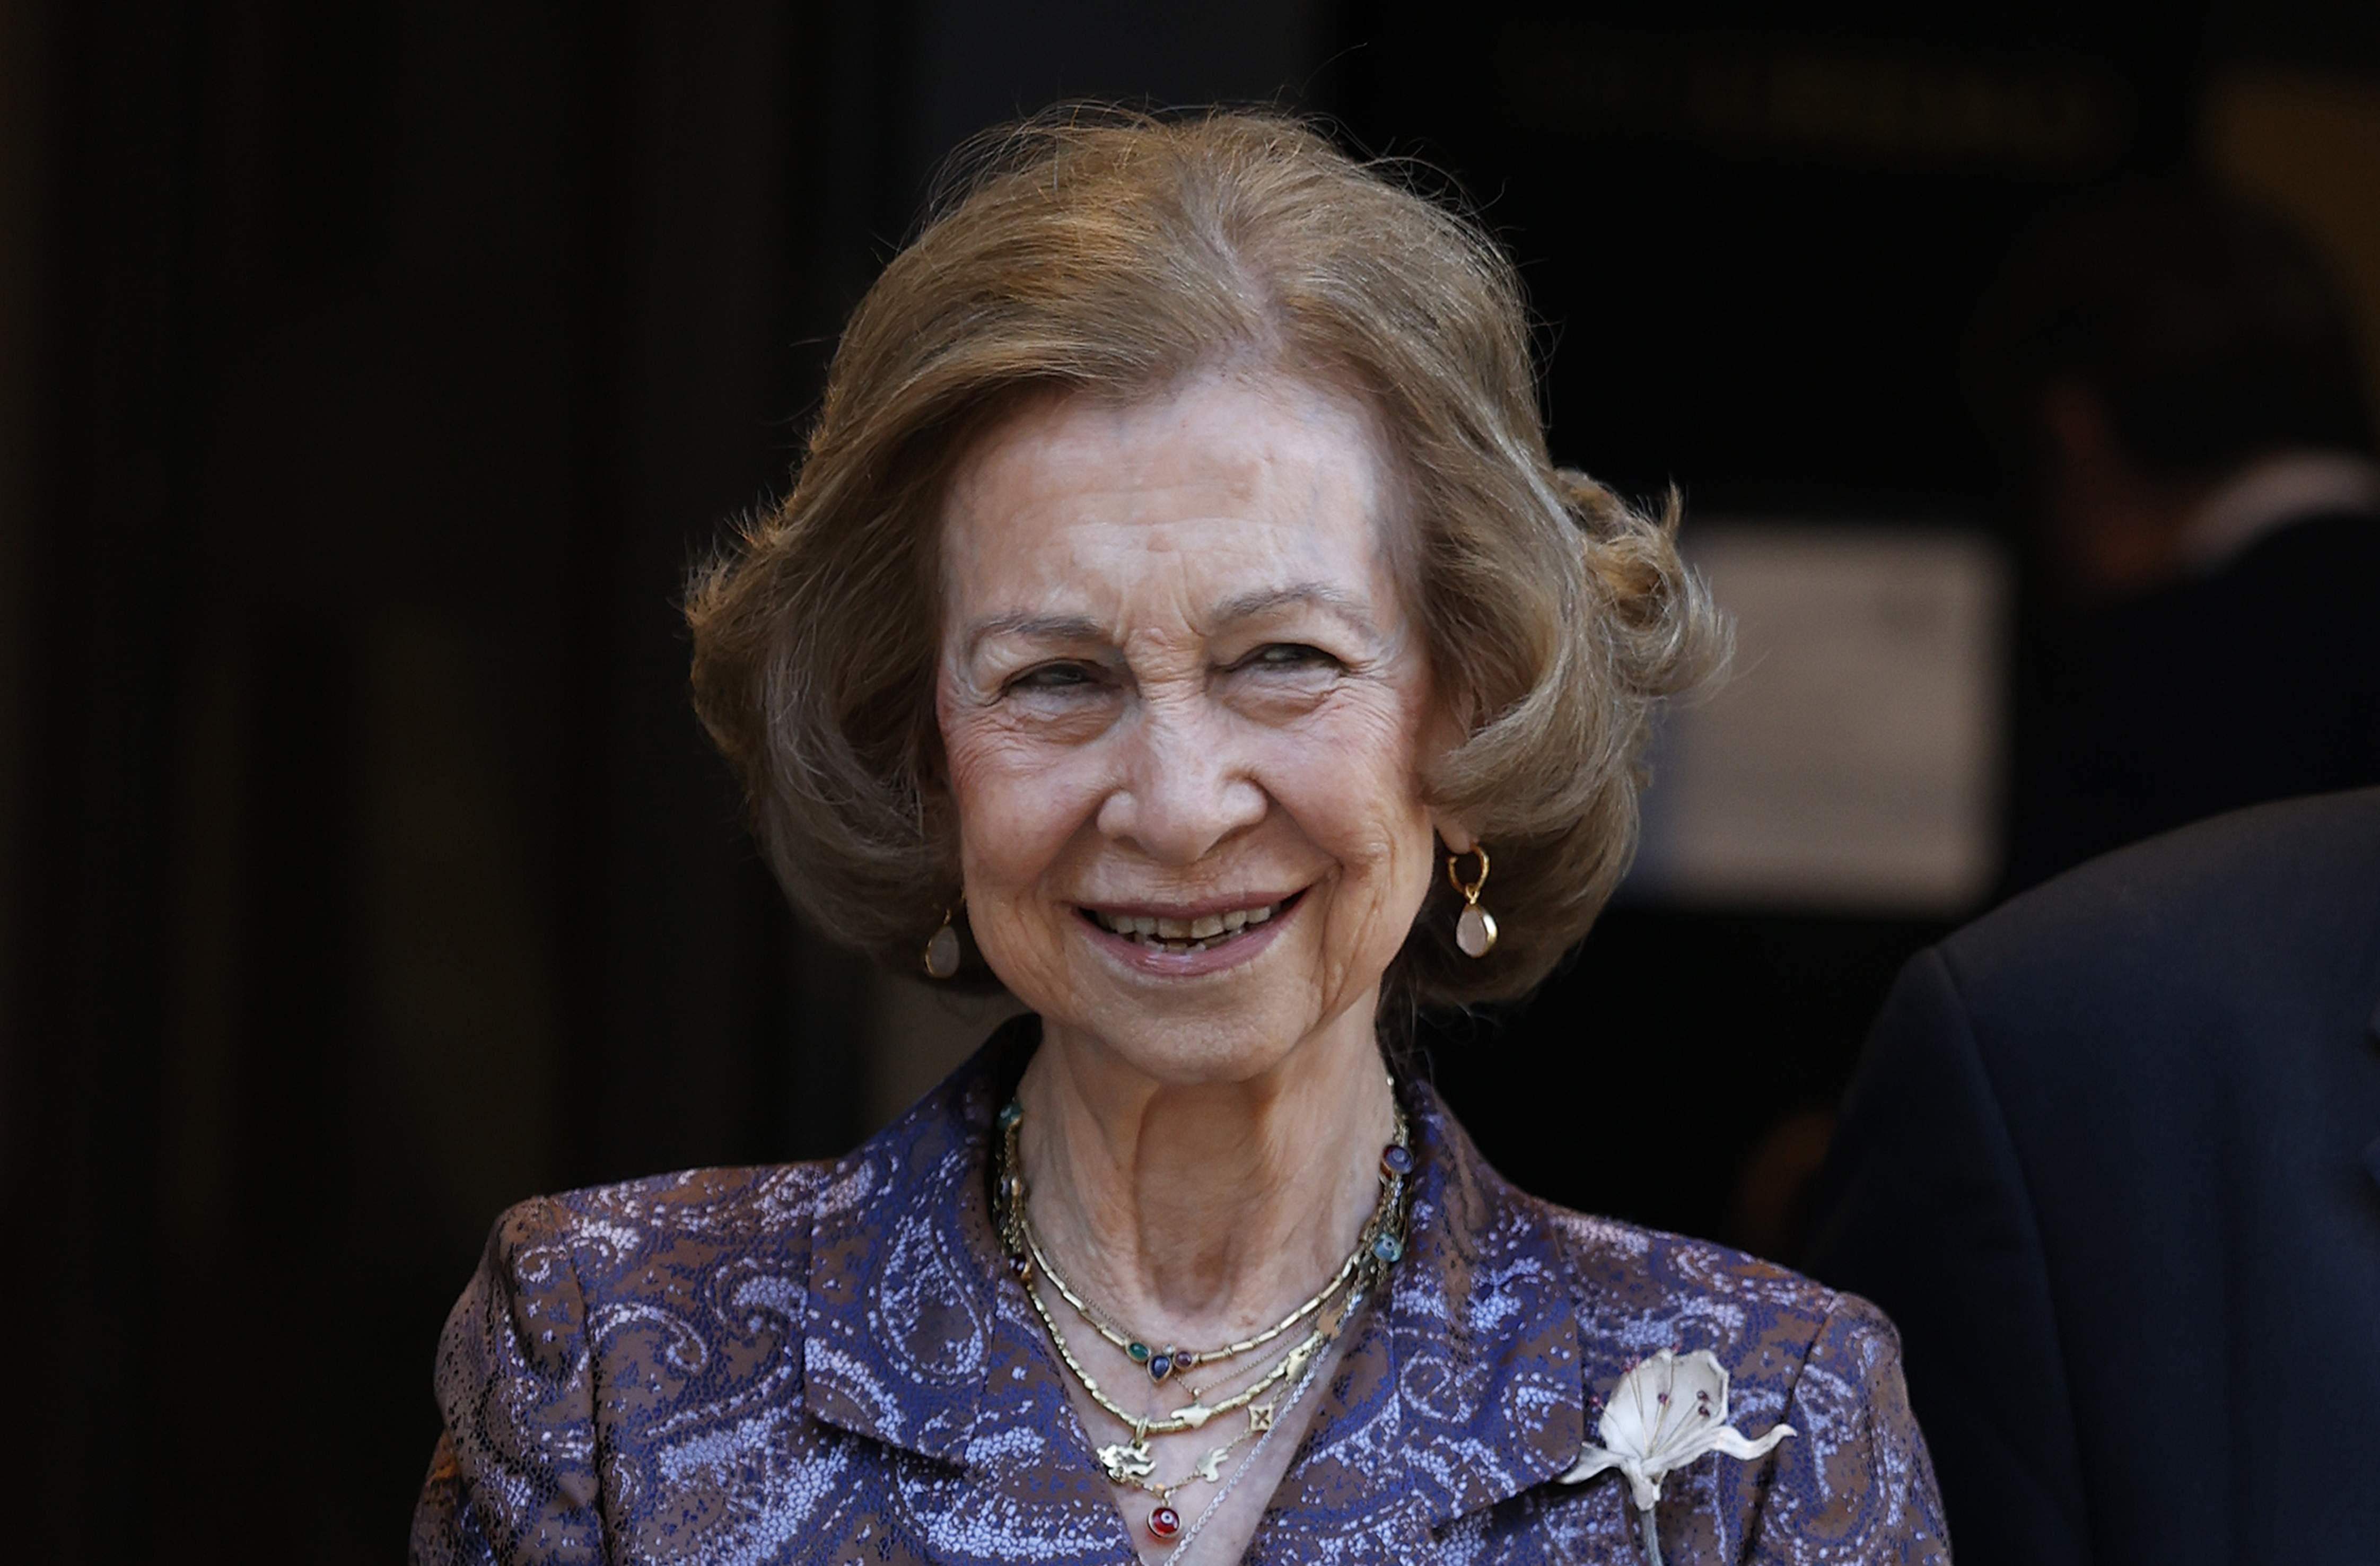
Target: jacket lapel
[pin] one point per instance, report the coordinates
(919, 1339)
(899, 1331)
(1464, 1389)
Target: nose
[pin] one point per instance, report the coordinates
(1184, 785)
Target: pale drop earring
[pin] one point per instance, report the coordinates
(942, 948)
(1475, 929)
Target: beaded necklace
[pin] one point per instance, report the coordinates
(1131, 1463)
(1121, 1468)
(1215, 1503)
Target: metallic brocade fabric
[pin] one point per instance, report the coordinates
(831, 1363)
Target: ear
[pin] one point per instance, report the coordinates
(1457, 835)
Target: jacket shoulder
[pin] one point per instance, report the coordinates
(654, 1285)
(1609, 1260)
(1634, 1290)
(632, 1234)
(1645, 1290)
(1822, 1363)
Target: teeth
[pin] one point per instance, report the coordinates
(1195, 935)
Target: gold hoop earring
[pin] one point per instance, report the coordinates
(1475, 929)
(943, 946)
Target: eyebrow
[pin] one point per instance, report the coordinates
(1042, 627)
(1333, 600)
(1320, 595)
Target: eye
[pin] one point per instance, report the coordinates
(1288, 655)
(1055, 678)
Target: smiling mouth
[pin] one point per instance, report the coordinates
(1183, 936)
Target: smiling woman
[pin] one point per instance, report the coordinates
(1176, 600)
(1179, 689)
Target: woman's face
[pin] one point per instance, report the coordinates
(1185, 716)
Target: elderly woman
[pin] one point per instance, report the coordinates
(1177, 622)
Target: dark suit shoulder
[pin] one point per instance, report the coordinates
(2237, 894)
(2102, 1163)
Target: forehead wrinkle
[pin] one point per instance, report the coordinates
(1328, 597)
(1064, 475)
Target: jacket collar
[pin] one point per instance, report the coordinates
(904, 1305)
(1463, 1387)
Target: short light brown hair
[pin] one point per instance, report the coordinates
(1107, 254)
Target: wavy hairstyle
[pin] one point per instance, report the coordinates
(1106, 254)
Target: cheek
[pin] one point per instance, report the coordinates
(1354, 784)
(1017, 803)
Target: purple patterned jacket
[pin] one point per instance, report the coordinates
(830, 1362)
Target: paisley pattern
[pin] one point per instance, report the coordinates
(830, 1362)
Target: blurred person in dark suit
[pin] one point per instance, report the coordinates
(2175, 380)
(2112, 1163)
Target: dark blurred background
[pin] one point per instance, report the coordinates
(370, 372)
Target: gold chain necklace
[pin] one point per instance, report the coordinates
(1378, 1245)
(1163, 1364)
(1131, 1463)
(1189, 1417)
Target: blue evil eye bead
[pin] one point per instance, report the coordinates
(1395, 1162)
(1139, 1353)
(1010, 1114)
(1387, 1247)
(1160, 1366)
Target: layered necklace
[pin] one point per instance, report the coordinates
(1131, 1462)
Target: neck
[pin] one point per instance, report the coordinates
(1197, 1212)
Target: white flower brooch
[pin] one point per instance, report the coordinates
(1666, 1412)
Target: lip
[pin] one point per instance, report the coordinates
(1244, 948)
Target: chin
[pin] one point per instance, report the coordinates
(1194, 1050)
(1218, 1034)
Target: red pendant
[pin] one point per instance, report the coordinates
(1165, 1522)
